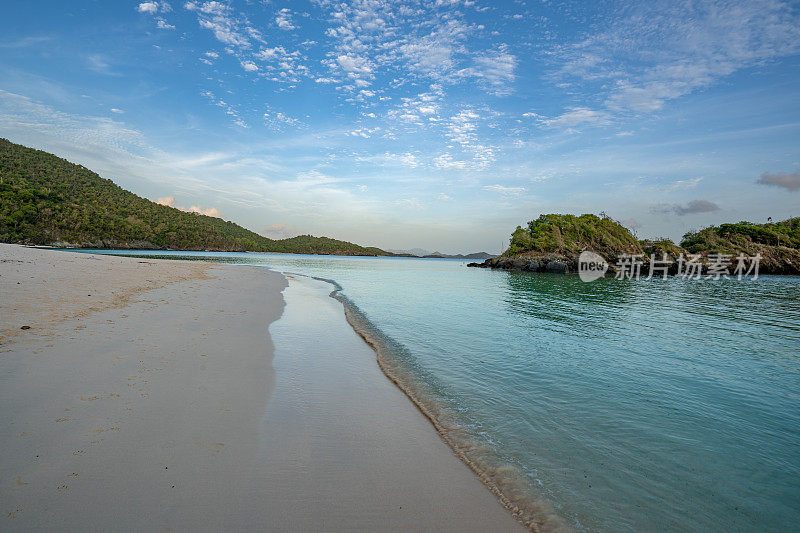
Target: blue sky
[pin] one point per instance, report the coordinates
(433, 124)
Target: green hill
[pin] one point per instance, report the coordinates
(744, 236)
(46, 200)
(568, 235)
(778, 243)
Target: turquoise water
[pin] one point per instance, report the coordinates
(627, 405)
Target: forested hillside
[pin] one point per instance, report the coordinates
(47, 200)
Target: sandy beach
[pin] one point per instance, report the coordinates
(175, 396)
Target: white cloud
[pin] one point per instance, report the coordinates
(354, 64)
(209, 8)
(690, 183)
(248, 45)
(169, 201)
(163, 25)
(284, 19)
(118, 111)
(24, 116)
(314, 177)
(496, 70)
(577, 116)
(218, 18)
(406, 159)
(429, 56)
(448, 162)
(462, 126)
(278, 120)
(230, 110)
(409, 203)
(153, 7)
(412, 43)
(654, 53)
(148, 7)
(505, 191)
(225, 32)
(100, 64)
(208, 211)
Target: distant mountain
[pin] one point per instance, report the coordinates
(405, 253)
(46, 200)
(477, 255)
(419, 252)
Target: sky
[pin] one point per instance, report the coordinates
(438, 124)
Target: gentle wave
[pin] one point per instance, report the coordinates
(503, 480)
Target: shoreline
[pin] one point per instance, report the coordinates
(503, 481)
(169, 404)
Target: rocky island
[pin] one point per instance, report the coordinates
(553, 242)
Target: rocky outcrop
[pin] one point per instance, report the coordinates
(554, 263)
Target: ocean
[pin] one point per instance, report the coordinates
(668, 405)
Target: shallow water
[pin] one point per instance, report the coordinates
(629, 405)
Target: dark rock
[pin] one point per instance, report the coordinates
(25, 327)
(520, 263)
(534, 266)
(557, 267)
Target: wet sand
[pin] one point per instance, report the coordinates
(172, 395)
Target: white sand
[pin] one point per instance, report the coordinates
(160, 403)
